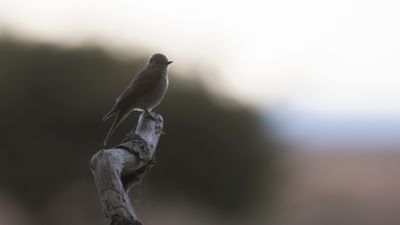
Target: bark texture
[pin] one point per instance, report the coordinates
(117, 169)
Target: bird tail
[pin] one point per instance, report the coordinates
(120, 117)
(109, 114)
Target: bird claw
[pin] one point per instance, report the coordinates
(149, 115)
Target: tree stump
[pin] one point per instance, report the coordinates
(117, 169)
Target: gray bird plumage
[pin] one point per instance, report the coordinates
(144, 92)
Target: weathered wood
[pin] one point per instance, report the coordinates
(117, 169)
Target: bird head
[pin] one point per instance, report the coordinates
(159, 59)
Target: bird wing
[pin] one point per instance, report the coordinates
(143, 83)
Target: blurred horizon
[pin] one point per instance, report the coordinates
(292, 121)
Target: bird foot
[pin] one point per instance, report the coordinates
(150, 115)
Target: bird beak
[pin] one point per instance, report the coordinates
(169, 62)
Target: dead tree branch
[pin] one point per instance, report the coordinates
(117, 169)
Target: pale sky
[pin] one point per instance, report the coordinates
(331, 57)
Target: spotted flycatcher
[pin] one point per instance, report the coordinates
(144, 92)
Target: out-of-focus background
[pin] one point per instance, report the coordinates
(278, 112)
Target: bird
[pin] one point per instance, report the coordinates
(145, 91)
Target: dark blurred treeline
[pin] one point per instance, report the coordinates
(52, 101)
